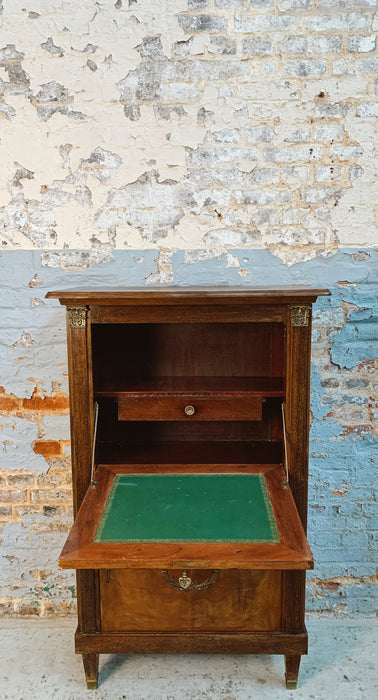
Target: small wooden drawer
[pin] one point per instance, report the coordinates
(189, 408)
(144, 599)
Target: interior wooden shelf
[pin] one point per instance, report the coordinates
(192, 386)
(190, 452)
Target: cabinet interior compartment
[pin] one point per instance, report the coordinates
(231, 375)
(144, 351)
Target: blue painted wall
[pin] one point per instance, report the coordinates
(343, 514)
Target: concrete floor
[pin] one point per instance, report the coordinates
(37, 661)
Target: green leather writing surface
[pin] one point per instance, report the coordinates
(188, 508)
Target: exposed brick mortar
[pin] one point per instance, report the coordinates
(344, 581)
(350, 395)
(21, 491)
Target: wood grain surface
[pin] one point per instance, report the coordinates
(192, 643)
(136, 296)
(134, 600)
(162, 408)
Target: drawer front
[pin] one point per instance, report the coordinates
(133, 600)
(189, 408)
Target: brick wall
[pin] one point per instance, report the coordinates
(187, 141)
(35, 494)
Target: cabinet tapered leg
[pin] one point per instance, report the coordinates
(292, 670)
(90, 662)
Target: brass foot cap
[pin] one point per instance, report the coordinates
(291, 685)
(92, 685)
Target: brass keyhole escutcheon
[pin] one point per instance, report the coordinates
(185, 583)
(190, 410)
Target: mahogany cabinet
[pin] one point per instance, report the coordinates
(189, 434)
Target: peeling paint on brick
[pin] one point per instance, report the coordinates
(227, 76)
(75, 260)
(19, 81)
(164, 274)
(343, 595)
(51, 48)
(147, 83)
(148, 204)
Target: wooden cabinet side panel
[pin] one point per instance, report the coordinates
(81, 409)
(81, 418)
(293, 601)
(298, 412)
(297, 425)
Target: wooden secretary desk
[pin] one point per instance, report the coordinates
(189, 433)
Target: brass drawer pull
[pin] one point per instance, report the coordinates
(189, 410)
(185, 583)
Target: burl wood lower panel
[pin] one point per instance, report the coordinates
(140, 600)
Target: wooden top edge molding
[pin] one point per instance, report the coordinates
(190, 295)
(92, 558)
